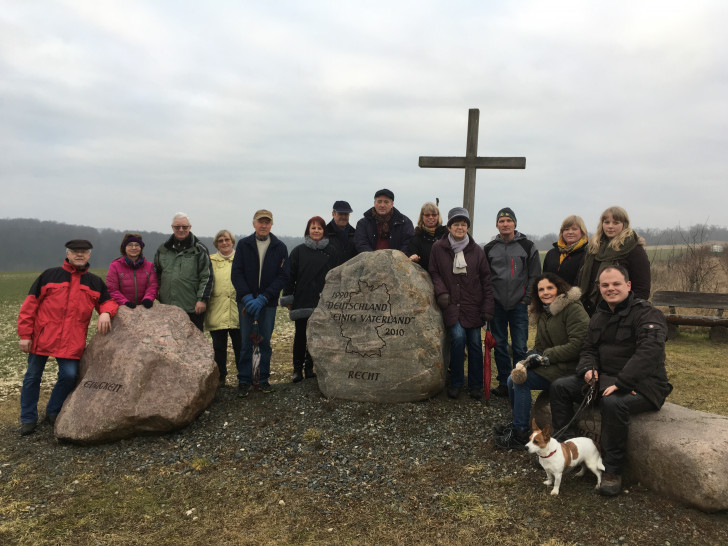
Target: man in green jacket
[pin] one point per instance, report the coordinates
(185, 271)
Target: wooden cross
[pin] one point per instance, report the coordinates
(471, 162)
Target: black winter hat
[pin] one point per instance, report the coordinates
(506, 212)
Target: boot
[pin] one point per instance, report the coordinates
(308, 367)
(297, 372)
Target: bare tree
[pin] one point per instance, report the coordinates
(694, 267)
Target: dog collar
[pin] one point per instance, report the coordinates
(549, 455)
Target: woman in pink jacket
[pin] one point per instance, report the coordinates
(132, 279)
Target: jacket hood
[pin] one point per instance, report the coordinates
(560, 303)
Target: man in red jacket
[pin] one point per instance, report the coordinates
(54, 321)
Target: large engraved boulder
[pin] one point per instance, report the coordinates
(153, 373)
(678, 452)
(377, 334)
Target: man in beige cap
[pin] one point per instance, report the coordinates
(259, 273)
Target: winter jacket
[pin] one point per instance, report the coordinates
(632, 256)
(308, 269)
(222, 311)
(400, 232)
(345, 250)
(560, 333)
(513, 266)
(185, 276)
(246, 268)
(129, 281)
(471, 293)
(421, 244)
(567, 269)
(56, 312)
(627, 347)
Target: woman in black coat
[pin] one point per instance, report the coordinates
(429, 230)
(309, 263)
(567, 256)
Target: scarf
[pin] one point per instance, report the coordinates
(604, 257)
(565, 250)
(382, 223)
(431, 232)
(459, 266)
(134, 263)
(316, 245)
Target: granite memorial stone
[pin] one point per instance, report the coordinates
(377, 334)
(153, 373)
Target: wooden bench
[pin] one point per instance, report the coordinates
(693, 300)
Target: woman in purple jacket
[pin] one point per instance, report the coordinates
(131, 278)
(461, 277)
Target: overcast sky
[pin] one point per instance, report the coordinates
(119, 114)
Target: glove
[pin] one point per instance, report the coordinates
(147, 303)
(130, 304)
(256, 305)
(247, 300)
(443, 300)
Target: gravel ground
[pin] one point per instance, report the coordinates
(411, 457)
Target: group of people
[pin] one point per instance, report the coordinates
(587, 303)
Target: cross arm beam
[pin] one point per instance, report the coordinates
(476, 162)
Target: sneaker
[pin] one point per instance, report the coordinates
(500, 390)
(512, 439)
(51, 418)
(27, 428)
(265, 387)
(611, 484)
(499, 430)
(476, 394)
(453, 392)
(243, 390)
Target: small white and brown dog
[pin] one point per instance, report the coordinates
(556, 458)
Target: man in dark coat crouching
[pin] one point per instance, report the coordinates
(624, 354)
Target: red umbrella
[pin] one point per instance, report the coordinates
(489, 342)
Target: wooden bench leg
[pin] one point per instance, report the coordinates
(718, 334)
(672, 331)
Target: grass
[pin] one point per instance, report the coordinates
(491, 497)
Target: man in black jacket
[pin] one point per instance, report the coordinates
(624, 354)
(341, 232)
(383, 226)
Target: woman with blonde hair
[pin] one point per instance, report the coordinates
(429, 230)
(221, 319)
(614, 243)
(567, 256)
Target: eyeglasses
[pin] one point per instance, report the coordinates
(181, 228)
(429, 215)
(134, 245)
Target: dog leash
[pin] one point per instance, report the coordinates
(590, 395)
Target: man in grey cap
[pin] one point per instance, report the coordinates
(53, 321)
(383, 226)
(341, 232)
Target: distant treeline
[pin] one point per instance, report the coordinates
(28, 244)
(33, 245)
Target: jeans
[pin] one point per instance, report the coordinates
(459, 338)
(219, 346)
(517, 320)
(266, 322)
(520, 397)
(615, 409)
(67, 372)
